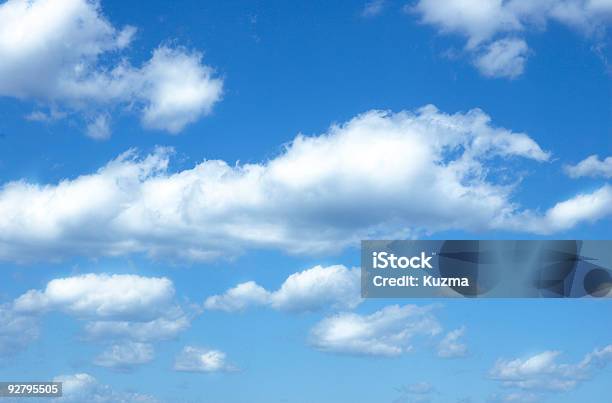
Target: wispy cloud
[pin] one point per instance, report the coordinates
(373, 8)
(82, 387)
(17, 331)
(542, 371)
(451, 345)
(126, 355)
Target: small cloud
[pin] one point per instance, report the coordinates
(238, 298)
(543, 372)
(514, 397)
(83, 387)
(591, 167)
(418, 388)
(197, 359)
(17, 330)
(503, 58)
(451, 346)
(318, 288)
(373, 8)
(99, 128)
(166, 327)
(388, 332)
(51, 116)
(125, 356)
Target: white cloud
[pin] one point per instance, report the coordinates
(99, 128)
(503, 58)
(543, 372)
(483, 23)
(129, 310)
(83, 387)
(418, 392)
(418, 388)
(373, 8)
(478, 20)
(73, 384)
(163, 328)
(598, 358)
(17, 331)
(585, 207)
(378, 175)
(238, 298)
(451, 345)
(591, 166)
(102, 296)
(196, 359)
(387, 332)
(178, 88)
(335, 287)
(121, 307)
(40, 116)
(70, 38)
(520, 397)
(125, 355)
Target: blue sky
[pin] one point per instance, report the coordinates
(154, 157)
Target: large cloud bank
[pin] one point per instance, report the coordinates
(380, 174)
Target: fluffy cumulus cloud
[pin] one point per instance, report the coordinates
(380, 174)
(125, 355)
(492, 27)
(82, 387)
(239, 298)
(66, 54)
(128, 309)
(198, 359)
(543, 371)
(451, 345)
(591, 166)
(102, 296)
(388, 332)
(503, 58)
(332, 287)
